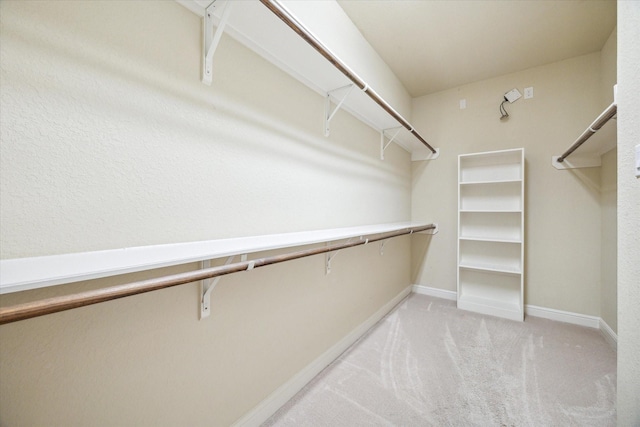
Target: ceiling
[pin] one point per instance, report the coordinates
(433, 45)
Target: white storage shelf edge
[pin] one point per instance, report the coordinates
(491, 233)
(21, 274)
(251, 24)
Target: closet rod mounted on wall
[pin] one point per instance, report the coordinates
(67, 302)
(282, 13)
(593, 128)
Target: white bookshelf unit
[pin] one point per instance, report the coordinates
(491, 233)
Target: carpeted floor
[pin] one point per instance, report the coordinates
(430, 364)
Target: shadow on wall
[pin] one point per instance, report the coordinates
(141, 70)
(589, 179)
(420, 244)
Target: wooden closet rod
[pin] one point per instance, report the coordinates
(593, 128)
(282, 13)
(67, 302)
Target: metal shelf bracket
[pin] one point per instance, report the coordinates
(384, 242)
(208, 285)
(384, 146)
(331, 255)
(211, 37)
(328, 114)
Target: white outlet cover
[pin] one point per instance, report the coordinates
(463, 104)
(528, 92)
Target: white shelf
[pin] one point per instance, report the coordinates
(491, 211)
(598, 138)
(491, 307)
(253, 25)
(21, 274)
(490, 239)
(490, 166)
(499, 226)
(491, 233)
(497, 181)
(494, 268)
(501, 196)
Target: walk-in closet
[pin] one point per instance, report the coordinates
(321, 213)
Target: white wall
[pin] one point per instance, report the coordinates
(628, 402)
(608, 192)
(96, 124)
(329, 22)
(562, 208)
(609, 234)
(110, 140)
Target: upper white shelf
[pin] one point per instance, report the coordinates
(21, 274)
(495, 181)
(602, 137)
(253, 25)
(491, 239)
(494, 166)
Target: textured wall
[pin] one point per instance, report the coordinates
(609, 233)
(110, 140)
(111, 143)
(608, 193)
(628, 215)
(562, 208)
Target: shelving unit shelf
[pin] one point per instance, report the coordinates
(491, 233)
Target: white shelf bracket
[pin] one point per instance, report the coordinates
(328, 114)
(384, 146)
(382, 244)
(211, 37)
(331, 255)
(207, 288)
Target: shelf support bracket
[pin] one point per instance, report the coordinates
(384, 242)
(384, 146)
(211, 37)
(328, 114)
(331, 255)
(207, 288)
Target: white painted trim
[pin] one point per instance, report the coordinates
(283, 394)
(20, 274)
(434, 292)
(610, 336)
(288, 390)
(563, 316)
(535, 311)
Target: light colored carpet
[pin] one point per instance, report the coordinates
(430, 364)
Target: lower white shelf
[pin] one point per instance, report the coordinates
(490, 292)
(492, 268)
(492, 307)
(20, 274)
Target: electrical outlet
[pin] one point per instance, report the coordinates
(528, 92)
(463, 104)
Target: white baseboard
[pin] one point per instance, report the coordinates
(284, 393)
(562, 316)
(530, 310)
(535, 311)
(434, 292)
(609, 335)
